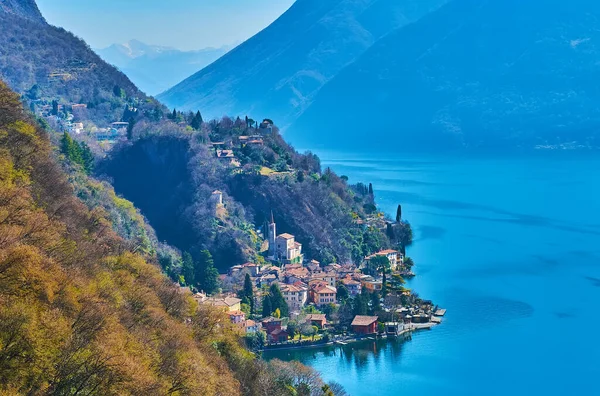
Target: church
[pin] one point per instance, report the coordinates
(283, 247)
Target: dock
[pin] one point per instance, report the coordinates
(341, 342)
(440, 312)
(435, 319)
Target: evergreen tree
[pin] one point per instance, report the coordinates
(174, 115)
(197, 121)
(207, 276)
(118, 91)
(54, 107)
(277, 300)
(390, 231)
(399, 214)
(65, 144)
(375, 303)
(267, 307)
(370, 188)
(361, 303)
(187, 269)
(130, 128)
(71, 149)
(87, 158)
(249, 292)
(342, 292)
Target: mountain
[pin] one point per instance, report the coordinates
(280, 70)
(46, 63)
(155, 68)
(27, 9)
(82, 311)
(494, 74)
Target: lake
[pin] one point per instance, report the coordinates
(511, 247)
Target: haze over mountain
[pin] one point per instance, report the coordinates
(492, 74)
(156, 68)
(281, 69)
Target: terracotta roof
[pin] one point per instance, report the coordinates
(363, 320)
(382, 253)
(236, 313)
(315, 283)
(232, 301)
(285, 236)
(318, 317)
(350, 282)
(222, 302)
(297, 244)
(299, 272)
(290, 288)
(325, 289)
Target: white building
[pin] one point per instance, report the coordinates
(283, 247)
(395, 257)
(294, 296)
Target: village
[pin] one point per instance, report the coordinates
(296, 303)
(286, 300)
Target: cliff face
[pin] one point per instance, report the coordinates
(27, 9)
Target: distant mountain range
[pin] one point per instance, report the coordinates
(155, 68)
(494, 74)
(279, 71)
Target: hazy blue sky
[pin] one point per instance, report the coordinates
(185, 24)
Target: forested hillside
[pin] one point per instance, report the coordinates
(47, 63)
(171, 174)
(27, 9)
(80, 312)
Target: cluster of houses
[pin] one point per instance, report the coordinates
(301, 284)
(224, 150)
(61, 117)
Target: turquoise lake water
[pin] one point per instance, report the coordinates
(511, 247)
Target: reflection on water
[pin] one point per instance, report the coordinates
(510, 248)
(355, 356)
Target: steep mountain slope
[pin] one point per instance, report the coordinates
(27, 9)
(154, 68)
(47, 63)
(496, 74)
(82, 312)
(77, 309)
(279, 71)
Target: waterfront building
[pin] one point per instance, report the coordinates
(364, 324)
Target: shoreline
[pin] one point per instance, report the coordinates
(404, 333)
